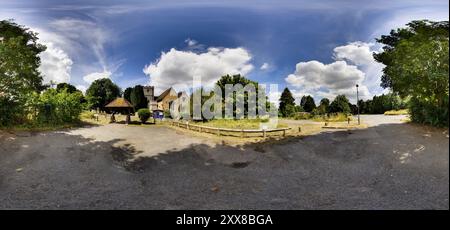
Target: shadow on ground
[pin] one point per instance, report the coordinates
(396, 166)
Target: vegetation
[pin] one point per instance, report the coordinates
(137, 97)
(307, 103)
(19, 75)
(236, 124)
(340, 105)
(287, 103)
(333, 117)
(397, 112)
(144, 115)
(101, 92)
(416, 65)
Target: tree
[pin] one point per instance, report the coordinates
(70, 88)
(307, 103)
(287, 102)
(339, 105)
(19, 75)
(101, 92)
(127, 93)
(137, 97)
(323, 107)
(416, 65)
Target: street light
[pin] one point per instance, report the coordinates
(357, 102)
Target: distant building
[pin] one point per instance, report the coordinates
(149, 93)
(166, 98)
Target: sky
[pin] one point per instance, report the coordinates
(319, 48)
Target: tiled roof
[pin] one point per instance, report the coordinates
(163, 94)
(119, 102)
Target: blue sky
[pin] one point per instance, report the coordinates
(321, 48)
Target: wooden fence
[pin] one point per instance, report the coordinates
(221, 131)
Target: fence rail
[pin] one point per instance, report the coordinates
(220, 131)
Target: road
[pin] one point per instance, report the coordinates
(389, 165)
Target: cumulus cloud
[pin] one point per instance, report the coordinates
(264, 66)
(354, 64)
(55, 64)
(177, 68)
(96, 75)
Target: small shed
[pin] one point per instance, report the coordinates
(120, 105)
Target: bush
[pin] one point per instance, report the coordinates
(427, 113)
(53, 107)
(144, 115)
(302, 116)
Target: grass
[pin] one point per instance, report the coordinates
(339, 117)
(236, 124)
(396, 112)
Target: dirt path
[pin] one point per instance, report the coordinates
(387, 166)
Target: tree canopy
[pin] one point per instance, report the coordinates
(307, 103)
(101, 92)
(416, 64)
(137, 97)
(340, 105)
(287, 103)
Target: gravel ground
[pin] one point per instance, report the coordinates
(389, 165)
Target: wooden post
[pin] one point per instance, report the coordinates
(284, 132)
(242, 133)
(299, 129)
(218, 132)
(187, 125)
(264, 133)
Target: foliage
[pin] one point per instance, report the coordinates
(53, 107)
(416, 65)
(287, 103)
(302, 116)
(127, 93)
(339, 104)
(70, 88)
(137, 97)
(322, 108)
(332, 117)
(144, 114)
(307, 103)
(381, 104)
(236, 124)
(101, 92)
(19, 75)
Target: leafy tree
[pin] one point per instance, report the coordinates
(127, 93)
(416, 65)
(322, 108)
(137, 97)
(339, 104)
(101, 92)
(307, 103)
(70, 88)
(287, 102)
(19, 75)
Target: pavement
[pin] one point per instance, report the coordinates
(389, 165)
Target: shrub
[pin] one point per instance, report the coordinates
(302, 116)
(144, 115)
(53, 107)
(427, 113)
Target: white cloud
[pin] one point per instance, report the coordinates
(177, 68)
(264, 66)
(96, 75)
(327, 80)
(190, 42)
(55, 64)
(82, 88)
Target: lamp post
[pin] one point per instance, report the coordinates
(357, 102)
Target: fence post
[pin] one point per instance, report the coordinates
(299, 129)
(242, 134)
(264, 133)
(284, 132)
(187, 125)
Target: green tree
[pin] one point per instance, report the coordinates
(19, 75)
(323, 107)
(307, 103)
(137, 97)
(416, 65)
(127, 93)
(70, 88)
(144, 114)
(101, 92)
(287, 102)
(339, 105)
